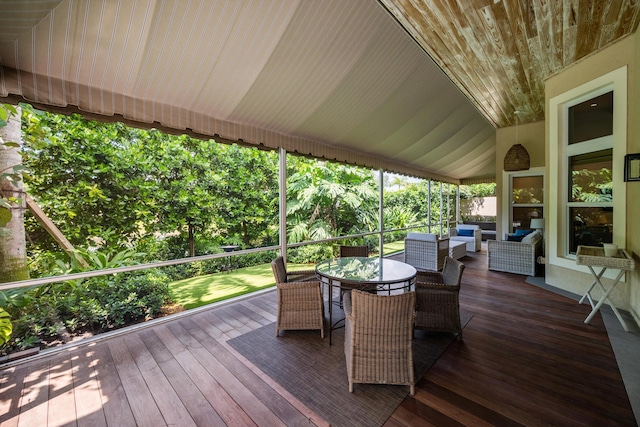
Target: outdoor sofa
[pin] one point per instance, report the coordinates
(513, 256)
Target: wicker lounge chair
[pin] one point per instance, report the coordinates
(425, 251)
(283, 276)
(378, 338)
(437, 295)
(471, 234)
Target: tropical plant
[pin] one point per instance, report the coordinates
(326, 199)
(5, 326)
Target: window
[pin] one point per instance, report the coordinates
(590, 173)
(527, 194)
(590, 201)
(587, 143)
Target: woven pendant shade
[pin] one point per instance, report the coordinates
(516, 159)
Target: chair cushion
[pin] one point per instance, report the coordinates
(423, 236)
(465, 232)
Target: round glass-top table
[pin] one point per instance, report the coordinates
(370, 274)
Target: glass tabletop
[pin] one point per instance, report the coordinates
(359, 270)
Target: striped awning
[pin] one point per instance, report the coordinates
(334, 79)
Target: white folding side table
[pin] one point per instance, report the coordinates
(593, 256)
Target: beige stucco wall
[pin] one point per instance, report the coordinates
(633, 188)
(532, 137)
(625, 52)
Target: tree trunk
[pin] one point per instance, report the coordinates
(13, 247)
(192, 242)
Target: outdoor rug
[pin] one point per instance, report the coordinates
(316, 373)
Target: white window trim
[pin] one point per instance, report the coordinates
(558, 178)
(507, 192)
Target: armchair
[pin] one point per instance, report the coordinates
(378, 338)
(283, 276)
(437, 298)
(515, 257)
(471, 234)
(300, 304)
(352, 251)
(425, 251)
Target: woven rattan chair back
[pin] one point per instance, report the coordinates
(452, 272)
(378, 338)
(279, 270)
(281, 274)
(359, 251)
(300, 306)
(437, 298)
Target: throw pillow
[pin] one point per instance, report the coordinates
(514, 238)
(465, 232)
(523, 232)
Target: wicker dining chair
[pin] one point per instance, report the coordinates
(437, 295)
(352, 251)
(300, 304)
(283, 276)
(361, 251)
(300, 307)
(378, 338)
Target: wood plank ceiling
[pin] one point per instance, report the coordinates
(359, 81)
(500, 52)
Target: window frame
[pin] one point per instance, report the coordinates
(513, 204)
(560, 151)
(507, 193)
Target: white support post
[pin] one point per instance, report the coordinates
(429, 209)
(282, 182)
(381, 212)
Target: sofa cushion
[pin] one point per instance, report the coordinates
(532, 237)
(467, 227)
(465, 232)
(423, 236)
(514, 238)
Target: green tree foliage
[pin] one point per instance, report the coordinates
(326, 199)
(477, 190)
(116, 185)
(414, 201)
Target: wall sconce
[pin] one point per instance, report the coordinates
(632, 167)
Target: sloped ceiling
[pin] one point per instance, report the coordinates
(500, 52)
(337, 79)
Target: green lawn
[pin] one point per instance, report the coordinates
(198, 291)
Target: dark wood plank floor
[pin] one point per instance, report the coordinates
(527, 359)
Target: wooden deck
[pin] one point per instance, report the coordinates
(527, 359)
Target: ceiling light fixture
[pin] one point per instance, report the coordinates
(517, 158)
